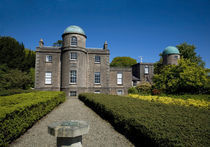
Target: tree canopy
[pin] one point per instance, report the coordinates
(188, 52)
(58, 43)
(123, 62)
(11, 52)
(16, 65)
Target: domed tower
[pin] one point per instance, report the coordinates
(170, 56)
(74, 60)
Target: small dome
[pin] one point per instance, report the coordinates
(171, 50)
(74, 29)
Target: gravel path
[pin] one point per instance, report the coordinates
(101, 133)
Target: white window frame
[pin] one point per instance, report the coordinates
(97, 59)
(72, 77)
(73, 42)
(73, 55)
(119, 78)
(73, 93)
(146, 69)
(97, 79)
(48, 78)
(120, 92)
(48, 58)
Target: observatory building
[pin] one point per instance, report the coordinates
(75, 68)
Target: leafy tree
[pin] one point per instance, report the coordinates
(158, 65)
(123, 62)
(58, 43)
(188, 52)
(14, 79)
(186, 77)
(15, 65)
(32, 76)
(11, 52)
(29, 60)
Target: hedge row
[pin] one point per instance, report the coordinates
(151, 123)
(19, 112)
(14, 91)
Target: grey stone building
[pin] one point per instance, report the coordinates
(74, 68)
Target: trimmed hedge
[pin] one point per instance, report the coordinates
(151, 123)
(19, 112)
(14, 91)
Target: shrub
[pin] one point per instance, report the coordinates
(152, 123)
(19, 112)
(144, 88)
(175, 101)
(132, 90)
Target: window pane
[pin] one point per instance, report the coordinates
(119, 92)
(74, 41)
(119, 81)
(48, 58)
(97, 91)
(97, 77)
(48, 78)
(73, 56)
(119, 75)
(73, 93)
(73, 76)
(97, 59)
(146, 70)
(119, 78)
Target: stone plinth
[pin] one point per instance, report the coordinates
(69, 133)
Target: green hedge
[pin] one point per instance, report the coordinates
(14, 91)
(19, 112)
(150, 123)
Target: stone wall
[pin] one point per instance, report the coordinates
(42, 67)
(126, 80)
(171, 59)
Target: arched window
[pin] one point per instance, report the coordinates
(74, 41)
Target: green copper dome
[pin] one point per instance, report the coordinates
(171, 50)
(74, 29)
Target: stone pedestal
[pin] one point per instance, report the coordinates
(69, 133)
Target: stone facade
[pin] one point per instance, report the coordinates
(171, 59)
(142, 72)
(73, 68)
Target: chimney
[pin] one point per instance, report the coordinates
(105, 45)
(41, 43)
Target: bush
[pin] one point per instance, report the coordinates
(186, 77)
(144, 88)
(19, 112)
(152, 123)
(132, 90)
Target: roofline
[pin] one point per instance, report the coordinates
(74, 33)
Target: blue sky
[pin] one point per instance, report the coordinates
(131, 27)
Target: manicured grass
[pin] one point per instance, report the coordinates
(19, 112)
(151, 123)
